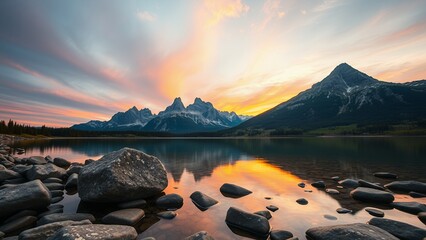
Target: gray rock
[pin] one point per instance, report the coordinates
(417, 195)
(60, 162)
(88, 161)
(372, 195)
(248, 222)
(15, 181)
(264, 213)
(410, 207)
(54, 186)
(375, 212)
(335, 178)
(124, 175)
(129, 217)
(6, 174)
(234, 191)
(422, 217)
(202, 201)
(400, 230)
(95, 232)
(364, 183)
(56, 199)
(74, 169)
(53, 180)
(21, 169)
(31, 195)
(48, 230)
(387, 175)
(302, 185)
(343, 210)
(203, 235)
(407, 186)
(19, 224)
(302, 201)
(2, 235)
(48, 158)
(170, 201)
(318, 184)
(57, 193)
(349, 183)
(45, 171)
(355, 231)
(52, 211)
(332, 191)
(36, 160)
(59, 217)
(280, 235)
(272, 208)
(139, 203)
(72, 181)
(23, 213)
(167, 214)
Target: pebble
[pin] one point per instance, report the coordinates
(375, 212)
(343, 210)
(302, 201)
(272, 208)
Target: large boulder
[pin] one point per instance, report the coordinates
(60, 162)
(95, 232)
(248, 222)
(356, 231)
(372, 195)
(407, 186)
(400, 230)
(6, 174)
(45, 231)
(31, 195)
(123, 175)
(45, 171)
(36, 160)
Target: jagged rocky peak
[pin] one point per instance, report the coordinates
(200, 105)
(177, 106)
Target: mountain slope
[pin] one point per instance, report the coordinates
(346, 96)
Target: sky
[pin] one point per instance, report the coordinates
(66, 62)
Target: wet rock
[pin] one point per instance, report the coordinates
(364, 183)
(31, 196)
(56, 193)
(400, 230)
(417, 195)
(48, 158)
(139, 203)
(272, 208)
(167, 214)
(280, 235)
(54, 186)
(302, 201)
(23, 213)
(6, 174)
(410, 207)
(264, 213)
(203, 235)
(36, 160)
(53, 180)
(202, 201)
(15, 181)
(335, 178)
(332, 191)
(422, 217)
(329, 217)
(343, 210)
(386, 175)
(349, 183)
(248, 222)
(88, 161)
(318, 184)
(48, 230)
(170, 201)
(302, 185)
(123, 175)
(371, 195)
(96, 232)
(61, 162)
(52, 211)
(356, 231)
(232, 190)
(375, 212)
(129, 217)
(72, 181)
(45, 171)
(19, 224)
(21, 169)
(56, 199)
(407, 186)
(74, 169)
(59, 217)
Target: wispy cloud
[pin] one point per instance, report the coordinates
(146, 16)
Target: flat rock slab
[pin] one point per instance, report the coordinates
(203, 235)
(407, 186)
(400, 230)
(19, 224)
(59, 217)
(123, 175)
(372, 195)
(410, 207)
(128, 217)
(234, 191)
(48, 230)
(95, 232)
(356, 231)
(139, 203)
(364, 183)
(349, 183)
(167, 214)
(170, 201)
(386, 175)
(280, 235)
(375, 212)
(248, 222)
(202, 201)
(26, 196)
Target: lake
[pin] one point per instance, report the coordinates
(268, 167)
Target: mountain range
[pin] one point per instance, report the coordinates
(199, 116)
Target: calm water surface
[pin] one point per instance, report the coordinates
(268, 167)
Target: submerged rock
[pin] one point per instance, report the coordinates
(400, 230)
(232, 190)
(129, 217)
(46, 231)
(410, 207)
(407, 186)
(203, 235)
(95, 232)
(202, 201)
(249, 222)
(123, 175)
(356, 231)
(372, 195)
(170, 201)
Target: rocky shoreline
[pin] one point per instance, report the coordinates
(131, 184)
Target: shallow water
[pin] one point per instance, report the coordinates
(268, 167)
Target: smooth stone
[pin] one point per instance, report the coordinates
(329, 217)
(264, 213)
(343, 210)
(248, 222)
(232, 190)
(19, 224)
(74, 169)
(57, 206)
(55, 186)
(88, 161)
(335, 178)
(302, 185)
(407, 186)
(48, 230)
(280, 235)
(123, 175)
(302, 201)
(202, 201)
(26, 196)
(36, 160)
(53, 180)
(309, 191)
(45, 171)
(364, 183)
(371, 195)
(59, 217)
(6, 174)
(72, 181)
(349, 183)
(422, 217)
(375, 212)
(400, 230)
(57, 193)
(15, 181)
(21, 169)
(20, 214)
(52, 211)
(387, 175)
(417, 195)
(61, 162)
(48, 158)
(410, 207)
(203, 235)
(167, 214)
(170, 201)
(331, 191)
(355, 231)
(140, 203)
(272, 208)
(318, 184)
(95, 232)
(129, 217)
(56, 199)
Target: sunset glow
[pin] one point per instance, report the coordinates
(67, 62)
